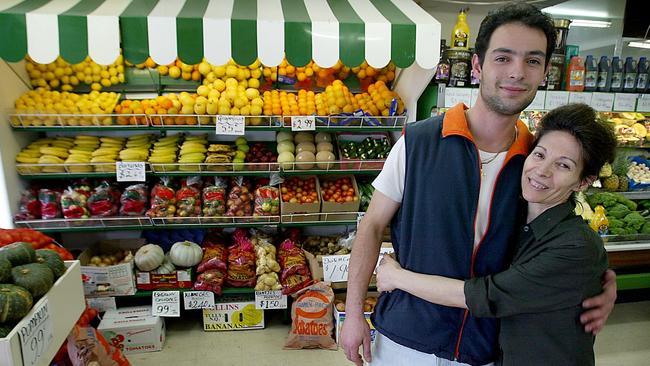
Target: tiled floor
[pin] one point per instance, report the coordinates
(624, 342)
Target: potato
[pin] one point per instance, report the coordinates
(95, 260)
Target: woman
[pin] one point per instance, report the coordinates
(558, 261)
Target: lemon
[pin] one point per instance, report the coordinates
(96, 86)
(203, 90)
(174, 72)
(232, 71)
(204, 68)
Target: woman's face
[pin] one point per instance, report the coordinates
(552, 170)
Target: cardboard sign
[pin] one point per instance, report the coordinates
(36, 335)
(625, 102)
(268, 300)
(166, 303)
(454, 96)
(130, 171)
(231, 125)
(335, 268)
(303, 123)
(198, 300)
(602, 102)
(556, 99)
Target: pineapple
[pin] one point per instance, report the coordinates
(605, 171)
(611, 183)
(619, 168)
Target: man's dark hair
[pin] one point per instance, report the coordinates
(596, 137)
(517, 12)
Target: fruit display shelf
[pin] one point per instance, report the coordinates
(632, 195)
(225, 291)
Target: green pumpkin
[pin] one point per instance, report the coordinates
(35, 277)
(5, 269)
(5, 330)
(51, 259)
(18, 253)
(15, 303)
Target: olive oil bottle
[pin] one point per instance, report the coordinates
(460, 34)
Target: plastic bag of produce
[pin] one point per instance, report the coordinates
(215, 254)
(88, 347)
(104, 200)
(214, 198)
(210, 280)
(188, 198)
(49, 199)
(267, 199)
(295, 273)
(163, 200)
(30, 206)
(241, 261)
(312, 321)
(74, 204)
(134, 200)
(239, 199)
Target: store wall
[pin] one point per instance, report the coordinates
(10, 142)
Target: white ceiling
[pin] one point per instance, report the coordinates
(476, 5)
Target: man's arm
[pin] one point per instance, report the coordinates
(365, 252)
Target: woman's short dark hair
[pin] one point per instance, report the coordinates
(516, 12)
(596, 137)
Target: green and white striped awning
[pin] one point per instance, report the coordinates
(323, 30)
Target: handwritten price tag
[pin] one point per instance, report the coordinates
(198, 300)
(538, 103)
(576, 97)
(643, 104)
(335, 268)
(102, 304)
(625, 102)
(303, 123)
(166, 303)
(454, 96)
(556, 99)
(267, 300)
(602, 102)
(231, 125)
(130, 171)
(36, 336)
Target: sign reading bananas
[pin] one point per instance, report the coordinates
(130, 171)
(233, 316)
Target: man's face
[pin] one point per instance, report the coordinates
(512, 69)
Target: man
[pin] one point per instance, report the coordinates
(450, 190)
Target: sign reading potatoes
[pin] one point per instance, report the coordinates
(233, 316)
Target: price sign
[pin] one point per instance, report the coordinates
(36, 335)
(335, 268)
(575, 97)
(198, 300)
(266, 300)
(454, 96)
(556, 99)
(602, 102)
(303, 123)
(537, 103)
(643, 104)
(231, 125)
(130, 171)
(625, 102)
(360, 216)
(166, 303)
(102, 304)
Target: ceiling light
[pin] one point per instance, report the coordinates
(590, 23)
(645, 44)
(560, 10)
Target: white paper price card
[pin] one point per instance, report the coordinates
(231, 125)
(360, 216)
(454, 96)
(36, 335)
(198, 300)
(132, 171)
(166, 303)
(556, 99)
(625, 102)
(538, 103)
(643, 104)
(267, 300)
(303, 123)
(102, 304)
(335, 268)
(577, 97)
(602, 102)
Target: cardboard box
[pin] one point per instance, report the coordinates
(233, 316)
(339, 318)
(133, 330)
(360, 164)
(332, 209)
(117, 280)
(181, 278)
(288, 208)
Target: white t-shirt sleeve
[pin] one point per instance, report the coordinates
(390, 181)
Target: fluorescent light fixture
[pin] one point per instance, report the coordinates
(590, 23)
(559, 10)
(645, 44)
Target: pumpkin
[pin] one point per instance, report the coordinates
(149, 257)
(18, 253)
(35, 277)
(166, 267)
(5, 330)
(186, 254)
(5, 269)
(51, 259)
(15, 303)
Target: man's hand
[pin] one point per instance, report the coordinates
(356, 333)
(387, 272)
(599, 307)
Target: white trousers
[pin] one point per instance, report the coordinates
(388, 353)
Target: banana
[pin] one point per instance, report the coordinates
(105, 151)
(56, 151)
(30, 153)
(117, 140)
(102, 159)
(77, 151)
(111, 146)
(50, 159)
(192, 156)
(27, 160)
(192, 150)
(91, 146)
(86, 138)
(62, 144)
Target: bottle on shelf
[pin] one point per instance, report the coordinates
(460, 34)
(604, 74)
(617, 74)
(591, 73)
(629, 85)
(575, 75)
(642, 75)
(442, 70)
(599, 222)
